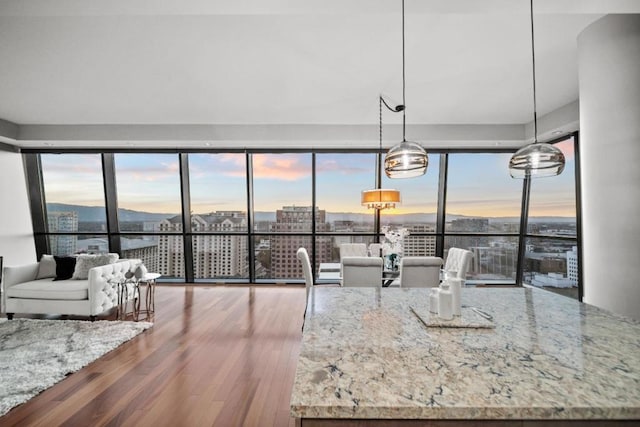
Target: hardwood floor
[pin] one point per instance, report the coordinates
(222, 356)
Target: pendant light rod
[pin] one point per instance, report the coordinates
(533, 65)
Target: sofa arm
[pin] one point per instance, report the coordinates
(19, 274)
(103, 292)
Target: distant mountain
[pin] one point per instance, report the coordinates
(98, 214)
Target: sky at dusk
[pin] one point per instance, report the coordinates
(479, 184)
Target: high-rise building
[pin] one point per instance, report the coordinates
(296, 219)
(144, 249)
(572, 266)
(467, 225)
(214, 256)
(416, 245)
(220, 256)
(62, 222)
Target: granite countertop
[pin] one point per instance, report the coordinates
(365, 355)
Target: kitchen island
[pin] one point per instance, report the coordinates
(366, 359)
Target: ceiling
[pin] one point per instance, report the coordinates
(79, 73)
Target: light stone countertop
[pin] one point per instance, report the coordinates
(365, 355)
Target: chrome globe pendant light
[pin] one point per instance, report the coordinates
(539, 159)
(406, 159)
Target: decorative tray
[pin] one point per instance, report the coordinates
(470, 317)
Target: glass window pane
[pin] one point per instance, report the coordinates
(146, 248)
(220, 257)
(481, 195)
(552, 264)
(282, 182)
(276, 256)
(417, 210)
(340, 179)
(494, 258)
(71, 244)
(418, 197)
(74, 193)
(552, 204)
(162, 254)
(148, 190)
(218, 187)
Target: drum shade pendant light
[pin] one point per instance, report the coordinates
(380, 198)
(539, 159)
(406, 159)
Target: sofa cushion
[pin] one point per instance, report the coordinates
(85, 262)
(46, 267)
(50, 289)
(64, 267)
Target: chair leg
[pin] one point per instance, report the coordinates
(304, 317)
(9, 316)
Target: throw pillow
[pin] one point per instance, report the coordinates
(141, 270)
(46, 267)
(64, 267)
(86, 262)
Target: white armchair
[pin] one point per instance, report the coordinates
(303, 256)
(362, 271)
(457, 263)
(420, 271)
(375, 249)
(353, 249)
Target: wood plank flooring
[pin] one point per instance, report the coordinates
(221, 356)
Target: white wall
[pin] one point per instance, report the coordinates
(609, 81)
(16, 233)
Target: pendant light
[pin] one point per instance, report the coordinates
(381, 198)
(539, 159)
(406, 159)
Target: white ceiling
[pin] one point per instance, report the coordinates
(287, 64)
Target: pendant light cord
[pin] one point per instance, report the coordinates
(404, 102)
(533, 63)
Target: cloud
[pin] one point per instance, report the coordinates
(145, 172)
(282, 167)
(568, 148)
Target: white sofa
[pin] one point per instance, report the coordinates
(23, 293)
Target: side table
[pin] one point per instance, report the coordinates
(126, 289)
(148, 280)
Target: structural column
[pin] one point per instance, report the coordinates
(609, 81)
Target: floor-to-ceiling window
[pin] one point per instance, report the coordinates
(75, 204)
(248, 212)
(417, 212)
(340, 178)
(283, 213)
(551, 255)
(483, 214)
(218, 199)
(149, 210)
